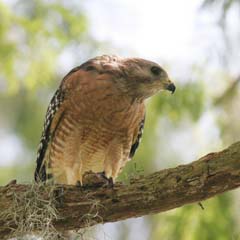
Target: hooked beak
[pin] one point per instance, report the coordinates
(171, 87)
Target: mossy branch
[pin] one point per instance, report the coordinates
(212, 174)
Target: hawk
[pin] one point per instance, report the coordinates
(95, 119)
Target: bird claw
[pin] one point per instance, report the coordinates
(59, 196)
(91, 179)
(108, 181)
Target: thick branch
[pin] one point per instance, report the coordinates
(167, 189)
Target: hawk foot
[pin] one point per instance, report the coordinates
(91, 179)
(59, 196)
(109, 181)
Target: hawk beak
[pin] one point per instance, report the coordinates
(171, 87)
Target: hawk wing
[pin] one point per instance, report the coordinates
(137, 138)
(52, 119)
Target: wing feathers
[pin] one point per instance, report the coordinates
(50, 125)
(136, 141)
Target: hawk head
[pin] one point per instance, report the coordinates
(145, 78)
(136, 77)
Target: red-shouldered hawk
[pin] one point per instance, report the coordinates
(95, 119)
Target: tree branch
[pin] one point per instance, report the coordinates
(212, 174)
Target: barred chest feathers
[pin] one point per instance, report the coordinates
(96, 135)
(96, 117)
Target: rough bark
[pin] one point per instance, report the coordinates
(212, 174)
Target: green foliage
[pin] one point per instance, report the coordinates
(193, 223)
(32, 36)
(26, 116)
(23, 173)
(187, 100)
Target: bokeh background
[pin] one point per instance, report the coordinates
(198, 42)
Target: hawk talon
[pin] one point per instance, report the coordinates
(78, 184)
(59, 196)
(109, 181)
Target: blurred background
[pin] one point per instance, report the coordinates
(197, 42)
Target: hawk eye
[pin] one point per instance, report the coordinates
(156, 70)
